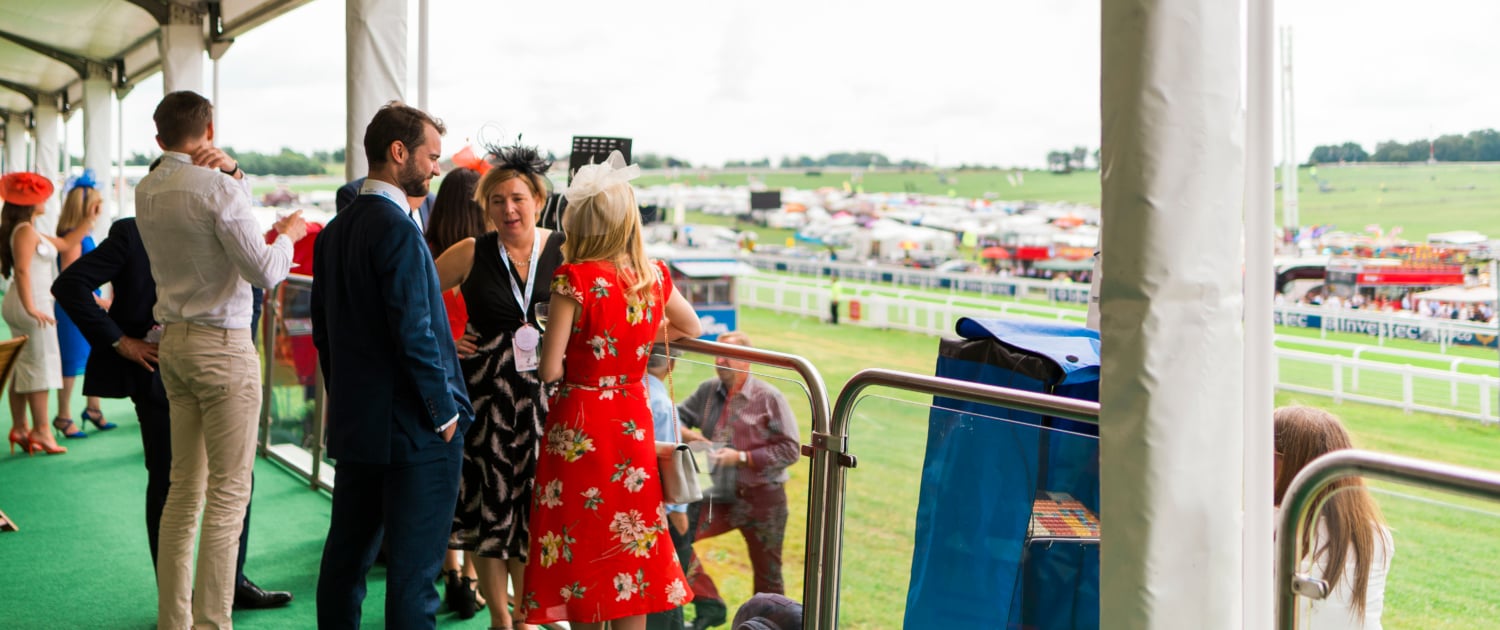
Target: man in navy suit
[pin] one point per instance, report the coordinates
(397, 405)
(130, 371)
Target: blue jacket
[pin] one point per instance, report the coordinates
(382, 335)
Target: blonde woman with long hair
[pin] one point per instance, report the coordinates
(1346, 543)
(82, 203)
(600, 551)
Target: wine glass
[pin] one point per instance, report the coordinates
(541, 309)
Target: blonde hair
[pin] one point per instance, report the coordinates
(1349, 513)
(498, 175)
(76, 208)
(607, 226)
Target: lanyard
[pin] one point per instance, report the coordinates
(523, 300)
(386, 194)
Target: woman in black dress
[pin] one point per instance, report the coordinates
(502, 274)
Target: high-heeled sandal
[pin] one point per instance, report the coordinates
(18, 437)
(38, 446)
(67, 428)
(96, 418)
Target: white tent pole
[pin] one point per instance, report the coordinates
(422, 57)
(120, 155)
(182, 47)
(1260, 238)
(47, 140)
(15, 142)
(97, 121)
(375, 51)
(1171, 395)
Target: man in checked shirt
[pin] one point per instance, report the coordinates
(758, 433)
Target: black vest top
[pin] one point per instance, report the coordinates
(487, 295)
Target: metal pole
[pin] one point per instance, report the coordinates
(1260, 383)
(1306, 493)
(1290, 220)
(120, 152)
(217, 104)
(422, 57)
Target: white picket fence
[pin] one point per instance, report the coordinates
(1449, 392)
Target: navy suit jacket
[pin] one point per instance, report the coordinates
(121, 260)
(383, 340)
(346, 194)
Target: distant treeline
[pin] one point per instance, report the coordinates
(1477, 146)
(287, 162)
(861, 159)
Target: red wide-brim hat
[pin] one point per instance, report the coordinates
(25, 189)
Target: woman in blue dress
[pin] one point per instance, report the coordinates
(81, 204)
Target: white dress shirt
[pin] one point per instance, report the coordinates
(205, 246)
(396, 195)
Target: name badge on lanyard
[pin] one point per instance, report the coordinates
(524, 343)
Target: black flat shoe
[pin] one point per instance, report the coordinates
(248, 596)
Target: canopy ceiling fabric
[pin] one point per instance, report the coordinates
(102, 31)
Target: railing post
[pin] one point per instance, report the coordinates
(1453, 384)
(1406, 395)
(1484, 403)
(320, 417)
(1354, 381)
(1338, 379)
(270, 315)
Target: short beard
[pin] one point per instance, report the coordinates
(412, 180)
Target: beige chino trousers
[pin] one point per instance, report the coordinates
(212, 379)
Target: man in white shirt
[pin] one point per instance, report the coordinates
(195, 222)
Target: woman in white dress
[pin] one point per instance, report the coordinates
(1347, 544)
(28, 257)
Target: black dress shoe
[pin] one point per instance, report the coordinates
(710, 613)
(248, 596)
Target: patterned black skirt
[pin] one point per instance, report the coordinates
(500, 451)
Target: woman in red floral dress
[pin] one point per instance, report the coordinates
(600, 551)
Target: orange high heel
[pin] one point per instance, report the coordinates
(37, 446)
(21, 439)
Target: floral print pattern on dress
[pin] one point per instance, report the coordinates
(592, 499)
(552, 494)
(557, 546)
(573, 591)
(604, 344)
(627, 585)
(568, 442)
(634, 431)
(676, 593)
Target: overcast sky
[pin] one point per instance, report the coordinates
(945, 81)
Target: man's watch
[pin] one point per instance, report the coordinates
(744, 458)
(233, 171)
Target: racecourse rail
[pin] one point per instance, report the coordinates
(1382, 326)
(1450, 392)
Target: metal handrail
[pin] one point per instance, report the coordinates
(1305, 496)
(825, 453)
(820, 604)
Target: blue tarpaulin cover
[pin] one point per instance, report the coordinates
(972, 565)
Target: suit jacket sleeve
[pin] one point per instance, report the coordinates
(74, 288)
(406, 280)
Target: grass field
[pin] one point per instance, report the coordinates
(1421, 199)
(1443, 576)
